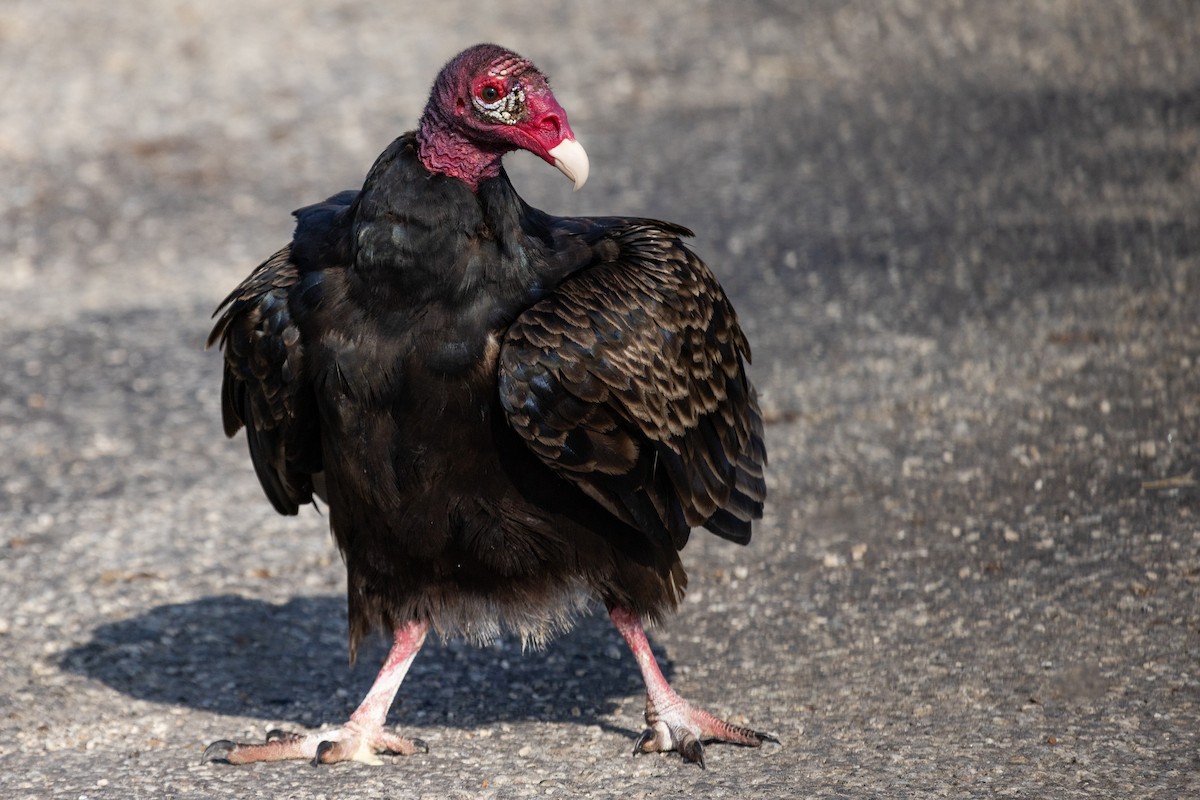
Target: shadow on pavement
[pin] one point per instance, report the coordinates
(239, 656)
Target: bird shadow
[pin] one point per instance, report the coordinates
(240, 656)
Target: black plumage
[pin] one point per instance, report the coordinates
(506, 412)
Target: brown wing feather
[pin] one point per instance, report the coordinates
(629, 380)
(263, 387)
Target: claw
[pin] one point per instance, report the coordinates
(323, 747)
(275, 734)
(418, 743)
(640, 745)
(218, 751)
(690, 748)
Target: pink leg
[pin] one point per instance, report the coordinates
(674, 724)
(362, 738)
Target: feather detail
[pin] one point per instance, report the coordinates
(632, 371)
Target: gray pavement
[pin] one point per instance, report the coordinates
(963, 236)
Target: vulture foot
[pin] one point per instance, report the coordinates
(680, 727)
(362, 738)
(352, 742)
(674, 724)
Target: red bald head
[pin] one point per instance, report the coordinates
(488, 101)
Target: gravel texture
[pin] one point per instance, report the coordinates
(963, 237)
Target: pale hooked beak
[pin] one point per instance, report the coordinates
(571, 160)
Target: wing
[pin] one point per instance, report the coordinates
(266, 386)
(629, 380)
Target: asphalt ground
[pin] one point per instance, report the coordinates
(963, 238)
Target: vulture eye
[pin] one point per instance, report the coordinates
(489, 94)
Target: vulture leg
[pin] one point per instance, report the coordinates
(362, 738)
(674, 724)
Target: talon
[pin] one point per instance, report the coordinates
(690, 748)
(323, 747)
(640, 745)
(275, 734)
(766, 737)
(218, 751)
(421, 744)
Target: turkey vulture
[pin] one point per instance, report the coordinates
(506, 412)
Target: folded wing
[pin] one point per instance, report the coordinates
(629, 380)
(266, 385)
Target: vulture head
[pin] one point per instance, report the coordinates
(488, 101)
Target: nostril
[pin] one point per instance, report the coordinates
(551, 124)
